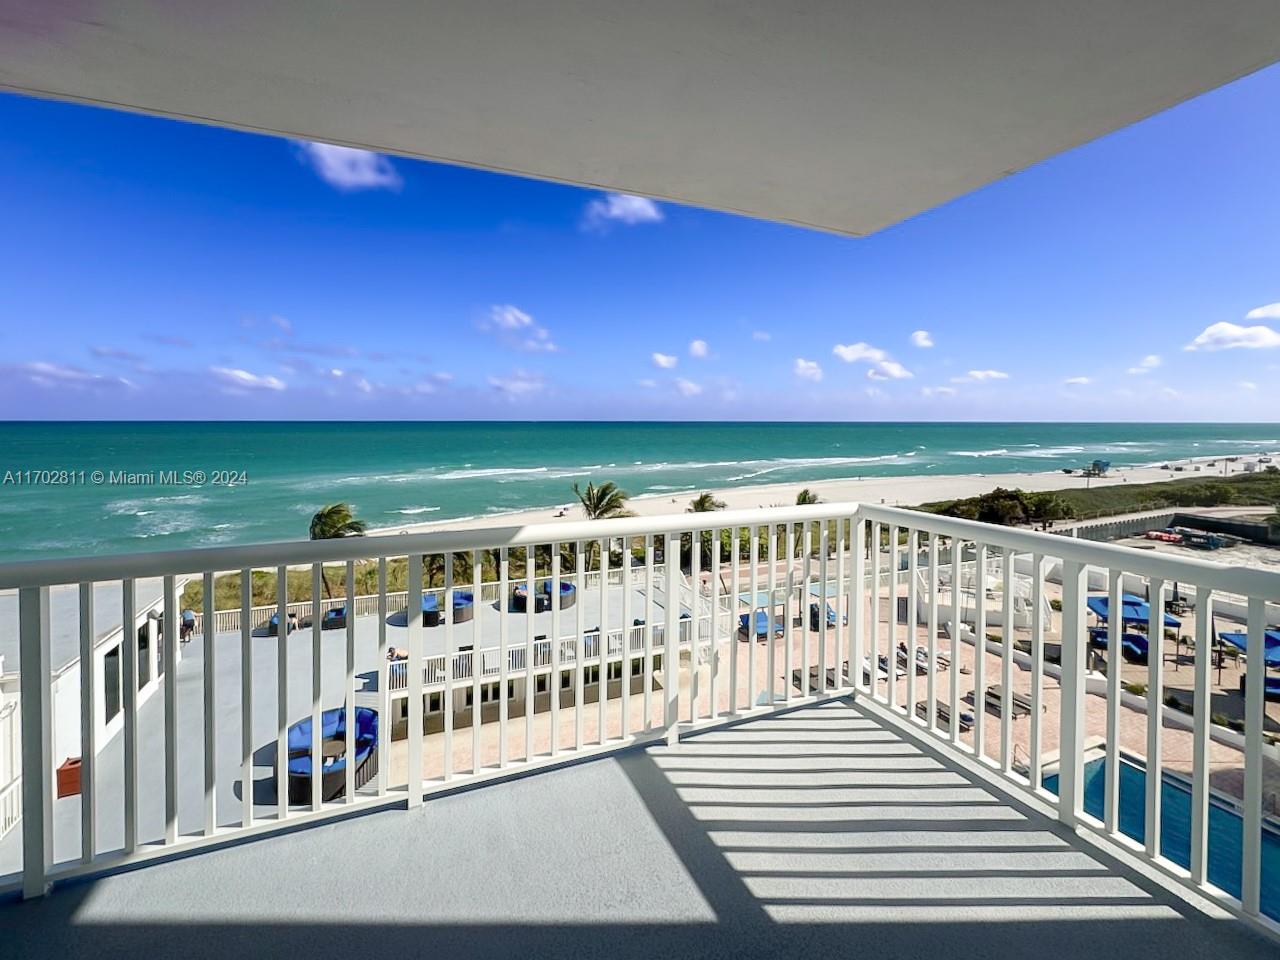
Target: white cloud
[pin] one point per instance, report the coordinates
(875, 393)
(620, 208)
(922, 338)
(517, 329)
(698, 348)
(1169, 392)
(852, 352)
(519, 384)
(688, 388)
(504, 316)
(348, 168)
(889, 370)
(283, 323)
(1248, 385)
(1231, 336)
(981, 376)
(882, 367)
(1077, 381)
(665, 360)
(647, 382)
(938, 391)
(238, 381)
(44, 374)
(761, 336)
(808, 370)
(1146, 364)
(1269, 312)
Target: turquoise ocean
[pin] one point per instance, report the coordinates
(396, 473)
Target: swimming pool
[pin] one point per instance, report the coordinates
(1225, 828)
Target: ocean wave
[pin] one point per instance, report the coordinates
(489, 472)
(999, 452)
(1046, 452)
(410, 511)
(167, 524)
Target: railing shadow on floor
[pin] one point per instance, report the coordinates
(767, 886)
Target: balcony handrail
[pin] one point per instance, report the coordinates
(288, 553)
(1228, 578)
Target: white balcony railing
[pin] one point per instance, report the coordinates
(10, 805)
(974, 609)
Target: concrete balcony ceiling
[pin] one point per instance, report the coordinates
(844, 116)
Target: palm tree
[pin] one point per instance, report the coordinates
(806, 497)
(332, 522)
(705, 503)
(603, 502)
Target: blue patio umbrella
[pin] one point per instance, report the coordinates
(1271, 644)
(1133, 609)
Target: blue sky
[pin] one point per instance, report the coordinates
(156, 269)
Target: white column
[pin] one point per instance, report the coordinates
(37, 739)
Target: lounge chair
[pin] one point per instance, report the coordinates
(833, 620)
(922, 659)
(761, 626)
(1133, 647)
(273, 625)
(334, 619)
(944, 715)
(1270, 687)
(1020, 703)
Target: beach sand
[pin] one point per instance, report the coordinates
(904, 491)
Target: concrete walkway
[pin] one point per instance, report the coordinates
(812, 833)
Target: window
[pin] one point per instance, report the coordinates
(615, 671)
(144, 655)
(470, 696)
(511, 689)
(111, 684)
(592, 675)
(540, 683)
(566, 680)
(433, 703)
(637, 668)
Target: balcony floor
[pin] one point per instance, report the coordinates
(812, 833)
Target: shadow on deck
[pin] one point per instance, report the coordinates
(817, 832)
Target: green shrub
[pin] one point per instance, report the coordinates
(1139, 689)
(1055, 605)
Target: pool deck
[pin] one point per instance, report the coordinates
(817, 832)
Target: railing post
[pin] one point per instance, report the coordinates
(413, 644)
(671, 640)
(1070, 757)
(858, 602)
(37, 740)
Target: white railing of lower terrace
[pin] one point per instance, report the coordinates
(10, 805)
(829, 560)
(435, 672)
(364, 604)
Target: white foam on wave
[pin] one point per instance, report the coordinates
(410, 511)
(998, 452)
(489, 472)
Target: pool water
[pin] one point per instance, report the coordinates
(1226, 828)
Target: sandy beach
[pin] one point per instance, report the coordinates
(893, 491)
